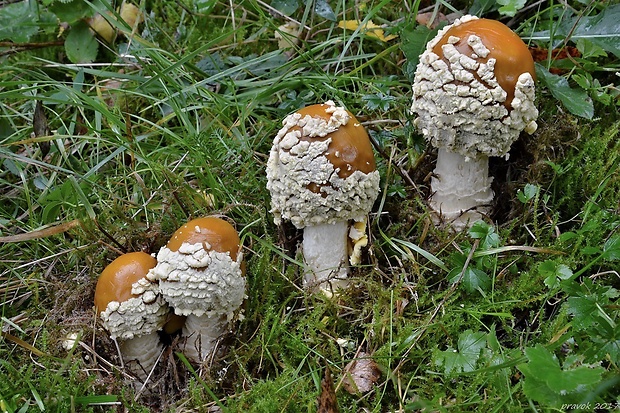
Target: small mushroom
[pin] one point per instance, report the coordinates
(473, 94)
(322, 176)
(132, 310)
(201, 275)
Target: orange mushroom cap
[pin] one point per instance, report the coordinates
(218, 233)
(510, 52)
(116, 279)
(350, 149)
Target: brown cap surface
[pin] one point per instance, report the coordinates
(116, 279)
(350, 149)
(218, 233)
(512, 55)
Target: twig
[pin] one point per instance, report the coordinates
(20, 47)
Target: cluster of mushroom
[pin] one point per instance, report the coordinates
(473, 94)
(198, 275)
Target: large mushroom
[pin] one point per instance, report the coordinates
(132, 310)
(473, 94)
(201, 275)
(322, 176)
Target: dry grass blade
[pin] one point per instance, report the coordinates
(42, 233)
(22, 343)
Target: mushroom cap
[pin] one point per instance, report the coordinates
(217, 233)
(473, 90)
(512, 56)
(200, 271)
(321, 168)
(115, 281)
(129, 305)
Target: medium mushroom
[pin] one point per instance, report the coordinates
(132, 310)
(322, 176)
(201, 275)
(473, 94)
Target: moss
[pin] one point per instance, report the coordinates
(289, 392)
(598, 152)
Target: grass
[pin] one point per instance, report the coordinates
(176, 121)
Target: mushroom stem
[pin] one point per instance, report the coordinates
(140, 353)
(325, 253)
(461, 188)
(201, 333)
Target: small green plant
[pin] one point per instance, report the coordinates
(553, 384)
(472, 271)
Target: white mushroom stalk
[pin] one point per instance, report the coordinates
(473, 94)
(202, 283)
(132, 312)
(322, 177)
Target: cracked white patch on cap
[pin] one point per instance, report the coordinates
(195, 281)
(295, 164)
(137, 316)
(460, 104)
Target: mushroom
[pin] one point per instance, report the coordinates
(322, 176)
(473, 94)
(132, 310)
(201, 275)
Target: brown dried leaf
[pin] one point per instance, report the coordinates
(327, 399)
(361, 374)
(424, 19)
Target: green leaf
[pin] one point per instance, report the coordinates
(583, 310)
(81, 45)
(286, 7)
(480, 7)
(528, 193)
(71, 11)
(603, 29)
(205, 6)
(323, 9)
(611, 249)
(18, 22)
(463, 359)
(607, 346)
(545, 380)
(589, 49)
(413, 43)
(473, 279)
(552, 271)
(576, 101)
(486, 234)
(379, 101)
(510, 7)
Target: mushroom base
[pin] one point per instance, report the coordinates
(461, 188)
(140, 354)
(200, 335)
(325, 251)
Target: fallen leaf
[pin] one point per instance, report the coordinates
(424, 19)
(102, 28)
(361, 374)
(369, 29)
(327, 399)
(131, 14)
(287, 35)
